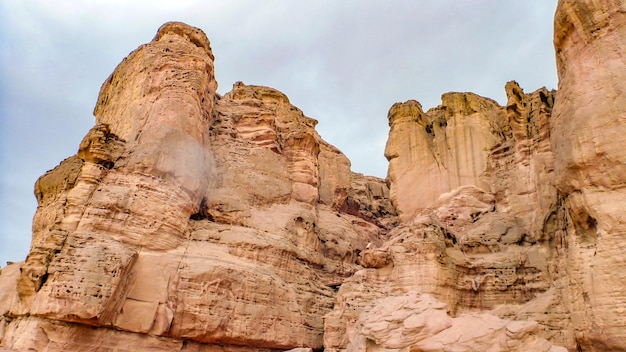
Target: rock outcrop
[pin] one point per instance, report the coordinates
(589, 124)
(508, 210)
(191, 221)
(472, 141)
(473, 184)
(421, 322)
(188, 220)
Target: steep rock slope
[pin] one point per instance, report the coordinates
(514, 211)
(589, 124)
(188, 220)
(473, 184)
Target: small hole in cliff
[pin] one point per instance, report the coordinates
(429, 129)
(544, 99)
(518, 94)
(203, 212)
(107, 164)
(591, 223)
(43, 280)
(451, 237)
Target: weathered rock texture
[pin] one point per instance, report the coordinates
(190, 221)
(421, 322)
(589, 125)
(473, 184)
(515, 211)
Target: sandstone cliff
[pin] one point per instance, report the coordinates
(589, 124)
(190, 221)
(473, 184)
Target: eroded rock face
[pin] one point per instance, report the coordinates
(472, 141)
(418, 321)
(514, 210)
(588, 126)
(190, 221)
(435, 152)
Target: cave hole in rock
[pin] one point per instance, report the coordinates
(203, 212)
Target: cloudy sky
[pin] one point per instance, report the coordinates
(343, 63)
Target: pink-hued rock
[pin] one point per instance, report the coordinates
(472, 141)
(435, 152)
(190, 221)
(420, 322)
(190, 216)
(588, 128)
(515, 210)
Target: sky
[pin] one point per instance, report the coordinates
(343, 63)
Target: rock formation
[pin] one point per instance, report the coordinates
(477, 235)
(190, 221)
(421, 322)
(589, 124)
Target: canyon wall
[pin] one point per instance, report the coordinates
(191, 221)
(473, 184)
(588, 128)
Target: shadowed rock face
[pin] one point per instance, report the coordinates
(189, 221)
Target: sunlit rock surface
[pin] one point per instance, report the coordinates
(190, 221)
(589, 125)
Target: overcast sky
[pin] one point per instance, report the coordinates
(343, 63)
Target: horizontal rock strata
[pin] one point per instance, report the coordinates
(191, 221)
